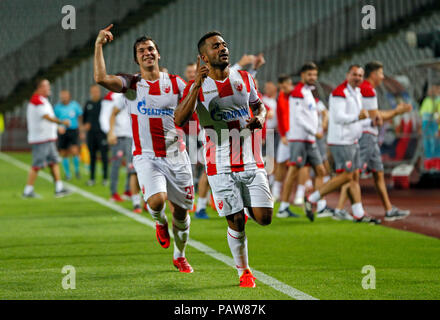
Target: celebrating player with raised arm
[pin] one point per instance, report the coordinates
(230, 112)
(159, 156)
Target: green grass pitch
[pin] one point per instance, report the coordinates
(116, 257)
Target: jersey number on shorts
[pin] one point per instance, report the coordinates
(189, 192)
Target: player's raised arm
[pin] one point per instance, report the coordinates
(110, 82)
(186, 107)
(400, 109)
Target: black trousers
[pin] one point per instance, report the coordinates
(97, 141)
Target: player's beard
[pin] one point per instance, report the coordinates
(222, 65)
(219, 64)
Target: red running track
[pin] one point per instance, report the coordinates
(423, 203)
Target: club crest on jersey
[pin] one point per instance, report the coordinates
(143, 189)
(348, 164)
(167, 89)
(220, 204)
(299, 159)
(238, 85)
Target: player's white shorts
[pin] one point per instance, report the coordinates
(236, 190)
(173, 176)
(283, 153)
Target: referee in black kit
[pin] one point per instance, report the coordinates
(96, 138)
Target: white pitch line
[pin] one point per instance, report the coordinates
(264, 278)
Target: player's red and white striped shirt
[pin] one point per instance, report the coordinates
(224, 106)
(151, 106)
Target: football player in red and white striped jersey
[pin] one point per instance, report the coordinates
(159, 155)
(231, 113)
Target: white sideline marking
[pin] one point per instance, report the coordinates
(264, 278)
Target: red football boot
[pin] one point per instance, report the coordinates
(183, 265)
(116, 198)
(162, 235)
(126, 195)
(137, 209)
(247, 279)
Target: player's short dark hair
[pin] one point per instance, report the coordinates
(283, 78)
(190, 64)
(371, 67)
(308, 66)
(353, 66)
(142, 40)
(38, 82)
(207, 35)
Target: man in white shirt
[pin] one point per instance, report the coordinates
(120, 141)
(345, 129)
(302, 135)
(370, 155)
(42, 134)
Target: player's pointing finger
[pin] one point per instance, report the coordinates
(109, 27)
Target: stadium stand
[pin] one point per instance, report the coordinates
(178, 50)
(397, 56)
(287, 18)
(320, 42)
(177, 29)
(36, 15)
(45, 36)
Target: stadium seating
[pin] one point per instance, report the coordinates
(395, 53)
(280, 40)
(35, 14)
(27, 50)
(334, 34)
(285, 41)
(178, 47)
